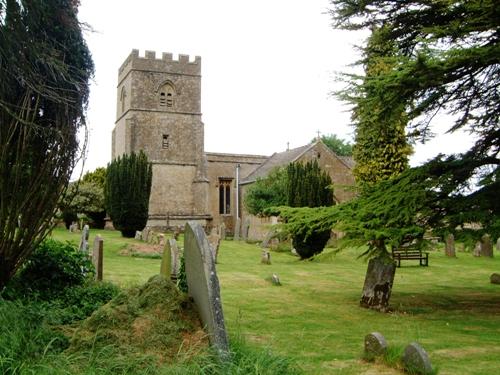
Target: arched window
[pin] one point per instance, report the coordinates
(166, 95)
(224, 196)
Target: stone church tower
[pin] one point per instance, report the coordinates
(159, 111)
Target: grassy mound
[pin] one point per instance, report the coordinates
(153, 319)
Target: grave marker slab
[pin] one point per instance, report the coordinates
(245, 229)
(237, 227)
(415, 358)
(138, 235)
(486, 246)
(477, 249)
(84, 240)
(375, 344)
(203, 285)
(449, 247)
(266, 257)
(97, 256)
(275, 280)
(222, 231)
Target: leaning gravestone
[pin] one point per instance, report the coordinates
(245, 229)
(203, 285)
(375, 344)
(97, 256)
(477, 249)
(486, 246)
(266, 257)
(415, 359)
(378, 283)
(449, 247)
(237, 227)
(84, 241)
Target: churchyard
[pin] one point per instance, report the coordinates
(313, 318)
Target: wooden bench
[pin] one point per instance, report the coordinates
(408, 253)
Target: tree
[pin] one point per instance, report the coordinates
(308, 185)
(338, 145)
(381, 150)
(85, 197)
(267, 192)
(45, 68)
(126, 192)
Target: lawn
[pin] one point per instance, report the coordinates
(314, 318)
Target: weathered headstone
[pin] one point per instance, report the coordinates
(266, 257)
(84, 240)
(97, 256)
(274, 243)
(245, 229)
(176, 258)
(486, 246)
(161, 239)
(267, 238)
(449, 247)
(151, 236)
(375, 344)
(214, 241)
(145, 234)
(222, 231)
(166, 261)
(73, 227)
(237, 227)
(495, 278)
(378, 283)
(477, 249)
(415, 359)
(275, 280)
(138, 235)
(498, 243)
(203, 285)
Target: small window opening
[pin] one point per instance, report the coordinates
(165, 141)
(162, 99)
(170, 100)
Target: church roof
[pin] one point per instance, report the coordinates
(278, 159)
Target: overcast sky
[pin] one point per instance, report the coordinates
(268, 69)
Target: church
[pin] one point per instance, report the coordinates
(159, 111)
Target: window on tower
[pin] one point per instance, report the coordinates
(166, 98)
(165, 142)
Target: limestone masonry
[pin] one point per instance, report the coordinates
(159, 111)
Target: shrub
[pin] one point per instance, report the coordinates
(51, 268)
(126, 192)
(308, 246)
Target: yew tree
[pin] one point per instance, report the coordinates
(45, 68)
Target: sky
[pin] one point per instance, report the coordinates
(268, 70)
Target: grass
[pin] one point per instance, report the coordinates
(450, 307)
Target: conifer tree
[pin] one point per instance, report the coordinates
(127, 190)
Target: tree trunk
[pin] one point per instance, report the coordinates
(378, 282)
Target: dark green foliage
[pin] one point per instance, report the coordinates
(127, 190)
(338, 145)
(267, 192)
(308, 185)
(51, 268)
(308, 246)
(181, 278)
(45, 68)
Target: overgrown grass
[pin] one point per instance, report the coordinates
(314, 317)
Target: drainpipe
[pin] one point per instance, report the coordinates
(237, 191)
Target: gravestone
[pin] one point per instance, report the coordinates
(151, 236)
(477, 249)
(176, 258)
(222, 231)
(237, 227)
(415, 359)
(138, 235)
(145, 234)
(449, 247)
(203, 285)
(498, 243)
(267, 239)
(274, 243)
(84, 240)
(486, 246)
(166, 261)
(73, 228)
(266, 257)
(375, 344)
(214, 241)
(294, 252)
(378, 283)
(97, 256)
(495, 278)
(245, 229)
(275, 280)
(161, 239)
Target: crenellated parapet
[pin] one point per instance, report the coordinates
(164, 64)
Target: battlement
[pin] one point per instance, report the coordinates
(166, 63)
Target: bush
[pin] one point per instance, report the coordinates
(308, 246)
(50, 269)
